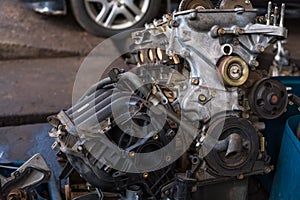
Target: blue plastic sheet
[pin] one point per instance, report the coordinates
(286, 184)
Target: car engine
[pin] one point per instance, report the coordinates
(187, 115)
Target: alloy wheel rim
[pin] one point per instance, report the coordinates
(117, 14)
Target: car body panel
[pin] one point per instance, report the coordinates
(59, 7)
(49, 7)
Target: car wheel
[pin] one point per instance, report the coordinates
(109, 17)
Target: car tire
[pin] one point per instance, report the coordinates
(82, 12)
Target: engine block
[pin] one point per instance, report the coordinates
(187, 114)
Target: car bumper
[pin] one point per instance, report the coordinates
(50, 7)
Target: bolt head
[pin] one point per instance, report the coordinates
(274, 99)
(202, 98)
(213, 94)
(131, 153)
(193, 15)
(195, 81)
(241, 177)
(268, 170)
(155, 137)
(80, 148)
(221, 31)
(145, 175)
(174, 23)
(235, 71)
(255, 63)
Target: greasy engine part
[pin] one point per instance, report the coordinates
(187, 115)
(23, 181)
(18, 194)
(234, 71)
(232, 4)
(236, 146)
(195, 4)
(268, 98)
(282, 65)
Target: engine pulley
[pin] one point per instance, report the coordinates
(268, 98)
(232, 4)
(236, 148)
(234, 71)
(195, 4)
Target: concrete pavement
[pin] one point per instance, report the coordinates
(32, 89)
(26, 34)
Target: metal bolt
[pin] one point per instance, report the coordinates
(241, 176)
(269, 13)
(262, 144)
(174, 23)
(213, 94)
(145, 175)
(79, 148)
(260, 48)
(195, 81)
(17, 194)
(261, 19)
(155, 137)
(267, 170)
(274, 99)
(202, 97)
(121, 3)
(221, 31)
(170, 52)
(131, 153)
(254, 63)
(282, 14)
(276, 14)
(235, 71)
(235, 41)
(168, 16)
(107, 169)
(246, 115)
(239, 31)
(193, 15)
(17, 174)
